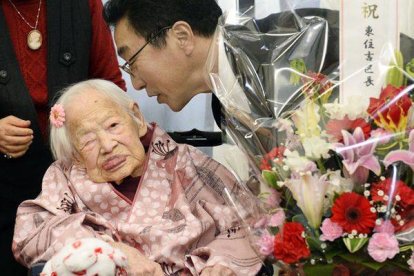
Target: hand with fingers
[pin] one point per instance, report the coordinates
(217, 270)
(15, 136)
(138, 264)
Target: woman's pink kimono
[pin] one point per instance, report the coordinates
(178, 217)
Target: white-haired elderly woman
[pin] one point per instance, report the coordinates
(119, 179)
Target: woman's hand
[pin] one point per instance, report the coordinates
(15, 136)
(138, 264)
(217, 270)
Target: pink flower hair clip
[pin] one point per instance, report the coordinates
(57, 115)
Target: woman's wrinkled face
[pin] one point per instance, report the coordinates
(106, 138)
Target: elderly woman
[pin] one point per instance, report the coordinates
(117, 178)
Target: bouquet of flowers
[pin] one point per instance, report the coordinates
(340, 174)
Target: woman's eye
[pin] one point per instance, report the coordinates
(87, 144)
(114, 127)
(90, 142)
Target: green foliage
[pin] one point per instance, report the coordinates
(407, 247)
(395, 77)
(314, 244)
(297, 65)
(319, 269)
(409, 68)
(301, 219)
(332, 252)
(271, 178)
(362, 260)
(354, 244)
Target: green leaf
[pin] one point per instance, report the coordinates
(403, 266)
(374, 265)
(354, 244)
(406, 247)
(395, 76)
(353, 258)
(298, 65)
(330, 254)
(319, 269)
(271, 178)
(409, 68)
(314, 244)
(362, 260)
(301, 219)
(366, 261)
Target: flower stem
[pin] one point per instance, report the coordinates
(321, 166)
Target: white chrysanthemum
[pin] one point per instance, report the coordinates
(316, 147)
(355, 107)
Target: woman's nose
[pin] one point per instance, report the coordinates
(107, 143)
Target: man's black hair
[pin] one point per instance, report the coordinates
(147, 17)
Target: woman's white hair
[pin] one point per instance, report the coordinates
(60, 142)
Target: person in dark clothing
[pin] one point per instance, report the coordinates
(44, 46)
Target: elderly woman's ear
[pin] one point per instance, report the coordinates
(142, 125)
(77, 159)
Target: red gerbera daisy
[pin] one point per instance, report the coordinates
(353, 212)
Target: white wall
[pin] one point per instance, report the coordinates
(227, 4)
(265, 7)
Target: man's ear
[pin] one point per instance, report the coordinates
(142, 125)
(183, 34)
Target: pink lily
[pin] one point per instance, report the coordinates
(358, 155)
(406, 156)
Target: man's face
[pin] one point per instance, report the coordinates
(165, 72)
(106, 138)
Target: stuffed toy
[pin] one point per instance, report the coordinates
(87, 256)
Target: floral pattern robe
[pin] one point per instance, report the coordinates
(178, 217)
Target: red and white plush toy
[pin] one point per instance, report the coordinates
(87, 256)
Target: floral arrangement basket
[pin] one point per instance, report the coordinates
(340, 175)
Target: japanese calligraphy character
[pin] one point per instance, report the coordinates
(369, 31)
(370, 11)
(369, 56)
(369, 44)
(369, 81)
(368, 69)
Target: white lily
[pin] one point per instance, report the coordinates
(309, 192)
